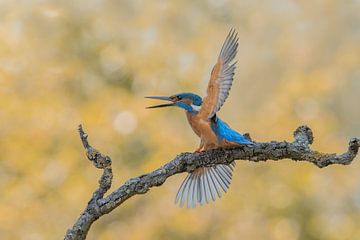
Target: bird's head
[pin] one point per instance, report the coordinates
(188, 101)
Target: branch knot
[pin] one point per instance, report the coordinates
(99, 160)
(354, 145)
(304, 135)
(298, 150)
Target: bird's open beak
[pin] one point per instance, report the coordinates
(162, 105)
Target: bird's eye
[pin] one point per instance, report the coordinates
(179, 98)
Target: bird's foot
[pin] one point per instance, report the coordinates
(199, 149)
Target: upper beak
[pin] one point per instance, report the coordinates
(162, 105)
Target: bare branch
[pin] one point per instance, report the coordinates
(298, 150)
(92, 211)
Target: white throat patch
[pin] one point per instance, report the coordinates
(196, 108)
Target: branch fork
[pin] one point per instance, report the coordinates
(298, 150)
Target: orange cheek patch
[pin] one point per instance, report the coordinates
(188, 101)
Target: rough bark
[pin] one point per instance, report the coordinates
(298, 150)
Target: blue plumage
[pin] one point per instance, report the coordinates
(223, 131)
(196, 99)
(185, 106)
(207, 183)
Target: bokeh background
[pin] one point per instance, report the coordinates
(89, 61)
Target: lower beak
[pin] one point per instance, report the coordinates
(161, 105)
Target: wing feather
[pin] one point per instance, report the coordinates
(222, 76)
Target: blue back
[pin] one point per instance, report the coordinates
(223, 131)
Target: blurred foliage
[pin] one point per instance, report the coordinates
(68, 62)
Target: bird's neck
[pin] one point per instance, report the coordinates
(189, 108)
(195, 107)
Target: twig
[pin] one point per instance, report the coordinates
(298, 150)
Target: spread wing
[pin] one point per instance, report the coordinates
(221, 77)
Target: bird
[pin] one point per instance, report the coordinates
(207, 183)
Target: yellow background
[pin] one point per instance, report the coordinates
(88, 61)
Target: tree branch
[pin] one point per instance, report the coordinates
(298, 150)
(92, 211)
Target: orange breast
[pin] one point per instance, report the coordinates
(202, 128)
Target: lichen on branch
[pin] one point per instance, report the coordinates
(298, 150)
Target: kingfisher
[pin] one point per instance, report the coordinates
(207, 183)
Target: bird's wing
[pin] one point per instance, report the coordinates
(221, 77)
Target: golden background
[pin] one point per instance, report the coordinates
(92, 62)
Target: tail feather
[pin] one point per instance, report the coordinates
(215, 182)
(219, 184)
(211, 185)
(204, 184)
(191, 192)
(181, 192)
(200, 190)
(225, 174)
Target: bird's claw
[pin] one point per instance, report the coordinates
(199, 150)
